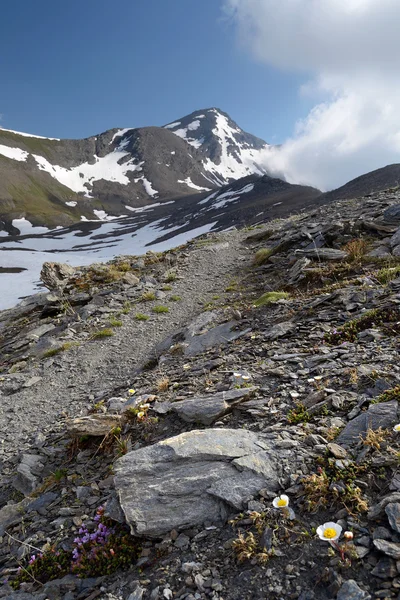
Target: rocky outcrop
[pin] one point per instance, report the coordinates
(194, 478)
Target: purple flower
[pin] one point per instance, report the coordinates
(32, 560)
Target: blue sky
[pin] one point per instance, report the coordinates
(76, 68)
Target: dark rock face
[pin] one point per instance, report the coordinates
(378, 415)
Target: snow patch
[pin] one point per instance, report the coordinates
(190, 184)
(81, 178)
(119, 133)
(172, 125)
(72, 203)
(40, 137)
(103, 216)
(25, 227)
(14, 153)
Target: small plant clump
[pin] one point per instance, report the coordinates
(163, 384)
(126, 307)
(298, 415)
(170, 276)
(101, 333)
(270, 298)
(160, 309)
(261, 256)
(356, 249)
(175, 298)
(387, 274)
(392, 394)
(115, 322)
(387, 318)
(141, 317)
(63, 348)
(108, 548)
(147, 296)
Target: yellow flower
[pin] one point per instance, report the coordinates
(329, 532)
(131, 392)
(280, 501)
(396, 427)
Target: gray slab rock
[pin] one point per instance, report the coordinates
(28, 471)
(201, 335)
(392, 214)
(280, 330)
(93, 425)
(393, 512)
(207, 409)
(194, 478)
(322, 253)
(11, 514)
(351, 591)
(389, 548)
(395, 239)
(382, 415)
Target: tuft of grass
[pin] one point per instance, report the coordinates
(387, 274)
(141, 317)
(261, 256)
(175, 298)
(270, 298)
(356, 249)
(63, 348)
(127, 306)
(160, 309)
(147, 296)
(374, 439)
(163, 384)
(115, 322)
(166, 288)
(170, 276)
(101, 333)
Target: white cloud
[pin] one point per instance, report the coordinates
(350, 51)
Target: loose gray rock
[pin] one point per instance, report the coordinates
(280, 330)
(193, 478)
(207, 409)
(377, 415)
(322, 253)
(389, 548)
(351, 591)
(55, 275)
(93, 425)
(392, 214)
(30, 467)
(393, 512)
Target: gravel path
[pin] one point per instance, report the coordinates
(100, 366)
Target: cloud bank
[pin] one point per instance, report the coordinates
(350, 55)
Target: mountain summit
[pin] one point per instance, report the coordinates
(57, 182)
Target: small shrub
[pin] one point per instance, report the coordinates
(261, 256)
(101, 333)
(147, 296)
(270, 298)
(391, 394)
(356, 250)
(374, 439)
(141, 317)
(160, 309)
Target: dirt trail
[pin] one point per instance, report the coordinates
(101, 366)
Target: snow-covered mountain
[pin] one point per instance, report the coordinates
(57, 182)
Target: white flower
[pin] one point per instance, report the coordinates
(396, 427)
(329, 532)
(238, 375)
(348, 535)
(245, 377)
(281, 501)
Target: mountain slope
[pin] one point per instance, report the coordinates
(374, 181)
(55, 182)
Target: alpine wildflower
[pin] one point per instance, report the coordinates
(281, 501)
(329, 532)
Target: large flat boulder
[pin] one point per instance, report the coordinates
(194, 478)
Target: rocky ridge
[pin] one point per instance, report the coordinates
(276, 371)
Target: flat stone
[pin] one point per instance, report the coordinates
(30, 467)
(39, 504)
(336, 450)
(194, 478)
(382, 415)
(323, 253)
(280, 330)
(93, 425)
(392, 214)
(385, 569)
(351, 591)
(395, 239)
(393, 512)
(389, 548)
(207, 409)
(38, 332)
(12, 514)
